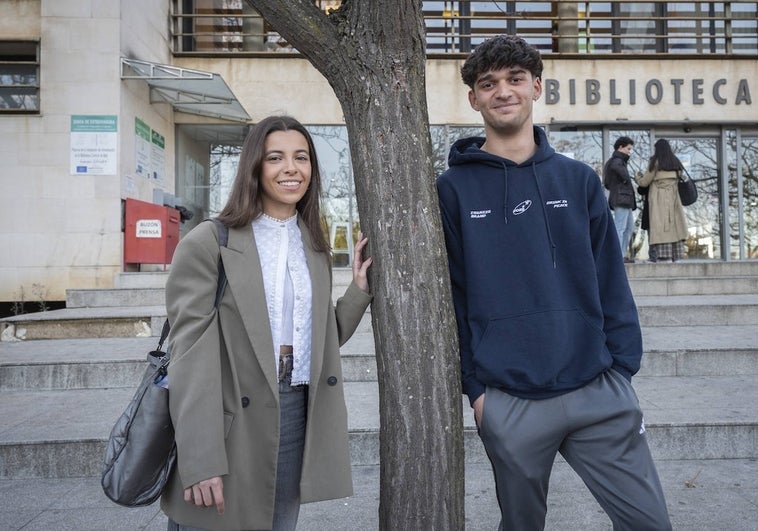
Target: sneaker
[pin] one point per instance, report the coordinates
(628, 260)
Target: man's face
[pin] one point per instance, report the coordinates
(627, 150)
(505, 98)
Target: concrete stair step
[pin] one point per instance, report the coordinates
(63, 433)
(688, 293)
(694, 286)
(57, 364)
(50, 364)
(121, 321)
(119, 362)
(641, 286)
(100, 298)
(693, 268)
(139, 321)
(708, 350)
(141, 280)
(103, 322)
(682, 278)
(698, 310)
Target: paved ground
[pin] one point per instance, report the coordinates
(711, 495)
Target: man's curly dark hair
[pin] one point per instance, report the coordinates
(503, 51)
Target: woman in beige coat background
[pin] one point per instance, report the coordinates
(668, 226)
(255, 388)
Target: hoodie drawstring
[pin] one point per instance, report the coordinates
(544, 213)
(505, 193)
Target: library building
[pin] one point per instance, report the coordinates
(121, 121)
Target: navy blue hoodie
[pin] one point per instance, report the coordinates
(541, 296)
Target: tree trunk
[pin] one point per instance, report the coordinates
(372, 52)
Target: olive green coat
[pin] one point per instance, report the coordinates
(667, 220)
(223, 389)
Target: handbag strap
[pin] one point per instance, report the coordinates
(164, 335)
(223, 239)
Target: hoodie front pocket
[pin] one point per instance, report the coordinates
(551, 349)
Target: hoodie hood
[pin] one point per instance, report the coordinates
(468, 150)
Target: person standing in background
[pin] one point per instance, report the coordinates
(668, 226)
(621, 199)
(645, 222)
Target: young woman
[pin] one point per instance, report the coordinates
(667, 224)
(255, 387)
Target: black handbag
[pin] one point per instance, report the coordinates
(687, 189)
(141, 452)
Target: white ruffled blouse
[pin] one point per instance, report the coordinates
(287, 282)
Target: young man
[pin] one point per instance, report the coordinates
(549, 332)
(621, 197)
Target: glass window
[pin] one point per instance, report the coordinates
(586, 146)
(217, 26)
(444, 136)
(19, 76)
(592, 146)
(749, 171)
(339, 213)
(700, 158)
(742, 167)
(223, 161)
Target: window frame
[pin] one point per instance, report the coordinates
(16, 62)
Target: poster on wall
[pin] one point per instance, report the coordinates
(94, 144)
(142, 148)
(150, 152)
(157, 157)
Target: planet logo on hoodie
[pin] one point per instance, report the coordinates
(522, 207)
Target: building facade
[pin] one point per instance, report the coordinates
(107, 100)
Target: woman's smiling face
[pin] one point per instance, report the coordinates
(285, 173)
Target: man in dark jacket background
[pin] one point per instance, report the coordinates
(549, 335)
(618, 182)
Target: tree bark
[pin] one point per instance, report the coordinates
(372, 52)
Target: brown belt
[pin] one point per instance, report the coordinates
(285, 363)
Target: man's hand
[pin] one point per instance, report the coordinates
(478, 410)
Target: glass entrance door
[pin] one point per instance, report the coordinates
(742, 170)
(704, 218)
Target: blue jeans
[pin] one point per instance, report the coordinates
(624, 221)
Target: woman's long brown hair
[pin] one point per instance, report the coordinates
(245, 200)
(663, 157)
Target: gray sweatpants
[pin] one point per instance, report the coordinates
(598, 429)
